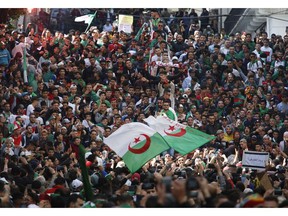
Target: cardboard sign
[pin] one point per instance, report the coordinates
(265, 181)
(255, 160)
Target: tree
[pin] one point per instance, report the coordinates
(8, 14)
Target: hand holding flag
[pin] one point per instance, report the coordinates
(88, 18)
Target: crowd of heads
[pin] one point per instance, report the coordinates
(60, 90)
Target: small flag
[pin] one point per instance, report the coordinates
(136, 143)
(182, 138)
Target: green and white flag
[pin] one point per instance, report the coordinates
(182, 138)
(139, 33)
(170, 113)
(86, 18)
(136, 143)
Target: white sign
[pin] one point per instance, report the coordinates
(255, 160)
(125, 23)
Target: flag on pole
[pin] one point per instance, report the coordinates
(182, 138)
(139, 33)
(136, 143)
(84, 172)
(86, 18)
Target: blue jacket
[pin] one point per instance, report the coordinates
(5, 57)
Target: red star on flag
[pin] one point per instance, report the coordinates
(136, 140)
(171, 128)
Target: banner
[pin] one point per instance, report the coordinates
(255, 160)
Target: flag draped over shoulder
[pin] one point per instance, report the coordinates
(136, 143)
(182, 138)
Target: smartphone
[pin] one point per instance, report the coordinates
(278, 192)
(59, 168)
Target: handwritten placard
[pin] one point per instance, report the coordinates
(255, 160)
(125, 23)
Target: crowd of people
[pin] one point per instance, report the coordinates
(82, 86)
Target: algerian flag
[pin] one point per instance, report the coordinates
(139, 33)
(170, 113)
(136, 143)
(86, 18)
(182, 138)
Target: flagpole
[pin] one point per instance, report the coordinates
(90, 22)
(25, 64)
(138, 35)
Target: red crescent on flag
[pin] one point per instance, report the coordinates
(179, 134)
(144, 148)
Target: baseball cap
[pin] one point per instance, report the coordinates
(174, 58)
(66, 120)
(76, 183)
(254, 137)
(24, 94)
(219, 132)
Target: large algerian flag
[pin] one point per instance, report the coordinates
(182, 138)
(136, 143)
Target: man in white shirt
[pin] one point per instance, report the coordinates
(267, 50)
(254, 63)
(31, 107)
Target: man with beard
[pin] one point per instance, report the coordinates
(178, 47)
(228, 135)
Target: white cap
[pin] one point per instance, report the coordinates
(175, 58)
(76, 183)
(87, 154)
